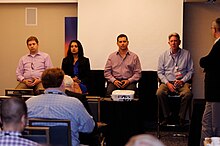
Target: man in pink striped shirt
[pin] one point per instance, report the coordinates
(31, 66)
(123, 67)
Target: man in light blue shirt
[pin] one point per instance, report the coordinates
(55, 104)
(175, 70)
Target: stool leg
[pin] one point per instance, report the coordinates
(158, 119)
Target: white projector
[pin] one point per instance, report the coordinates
(123, 95)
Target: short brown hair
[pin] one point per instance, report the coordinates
(32, 38)
(52, 78)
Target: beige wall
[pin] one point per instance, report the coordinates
(197, 37)
(50, 31)
(13, 35)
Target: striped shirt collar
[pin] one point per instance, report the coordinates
(10, 133)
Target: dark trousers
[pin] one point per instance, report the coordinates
(186, 97)
(210, 121)
(111, 87)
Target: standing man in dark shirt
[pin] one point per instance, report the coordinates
(210, 63)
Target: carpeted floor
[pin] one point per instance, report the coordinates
(167, 134)
(169, 140)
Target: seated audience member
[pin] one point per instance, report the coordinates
(144, 140)
(77, 66)
(69, 90)
(55, 104)
(13, 118)
(31, 66)
(175, 70)
(123, 67)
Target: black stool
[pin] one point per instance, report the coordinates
(174, 102)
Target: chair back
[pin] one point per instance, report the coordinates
(59, 132)
(18, 92)
(21, 93)
(37, 134)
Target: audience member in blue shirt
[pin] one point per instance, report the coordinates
(55, 104)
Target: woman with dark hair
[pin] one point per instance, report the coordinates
(76, 65)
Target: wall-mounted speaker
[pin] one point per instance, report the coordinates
(31, 16)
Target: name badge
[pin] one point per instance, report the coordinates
(178, 73)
